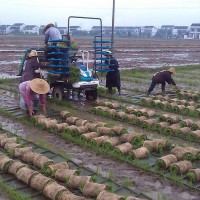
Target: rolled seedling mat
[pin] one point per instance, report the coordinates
(160, 126)
(110, 143)
(82, 129)
(131, 117)
(25, 174)
(99, 140)
(165, 161)
(188, 110)
(194, 175)
(170, 107)
(181, 153)
(100, 102)
(64, 114)
(173, 119)
(180, 108)
(119, 130)
(11, 146)
(67, 195)
(55, 167)
(164, 117)
(141, 119)
(91, 189)
(194, 151)
(166, 144)
(64, 174)
(181, 167)
(139, 153)
(162, 104)
(150, 113)
(113, 105)
(92, 126)
(50, 123)
(42, 120)
(157, 102)
(2, 136)
(71, 120)
(133, 198)
(52, 189)
(185, 131)
(175, 107)
(112, 111)
(141, 112)
(123, 148)
(29, 157)
(19, 152)
(195, 126)
(89, 136)
(60, 127)
(104, 131)
(128, 137)
(196, 133)
(146, 101)
(186, 122)
(39, 181)
(183, 101)
(5, 162)
(81, 122)
(101, 124)
(174, 100)
(72, 129)
(148, 123)
(105, 195)
(8, 140)
(38, 116)
(41, 161)
(76, 182)
(153, 145)
(15, 166)
(181, 95)
(172, 129)
(121, 115)
(191, 103)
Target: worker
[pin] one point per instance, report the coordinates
(113, 76)
(30, 94)
(31, 65)
(161, 78)
(51, 33)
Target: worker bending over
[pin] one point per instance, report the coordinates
(161, 78)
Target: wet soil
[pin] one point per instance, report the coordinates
(130, 53)
(151, 185)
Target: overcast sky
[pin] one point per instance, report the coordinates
(127, 12)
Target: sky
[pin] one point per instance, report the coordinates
(127, 12)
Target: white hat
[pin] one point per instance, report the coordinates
(107, 53)
(33, 53)
(39, 86)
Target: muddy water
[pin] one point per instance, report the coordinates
(148, 183)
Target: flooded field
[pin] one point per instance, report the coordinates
(131, 54)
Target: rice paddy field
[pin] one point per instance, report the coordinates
(126, 147)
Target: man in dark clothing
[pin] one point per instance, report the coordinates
(161, 78)
(113, 76)
(31, 65)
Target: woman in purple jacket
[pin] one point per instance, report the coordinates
(161, 78)
(31, 92)
(31, 64)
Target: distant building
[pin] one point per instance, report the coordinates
(148, 31)
(17, 28)
(180, 31)
(195, 31)
(5, 29)
(63, 30)
(31, 29)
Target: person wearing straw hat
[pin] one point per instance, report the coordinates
(161, 78)
(31, 65)
(31, 92)
(113, 76)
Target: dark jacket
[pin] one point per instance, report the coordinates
(162, 77)
(113, 77)
(31, 64)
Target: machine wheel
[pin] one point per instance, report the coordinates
(91, 94)
(57, 92)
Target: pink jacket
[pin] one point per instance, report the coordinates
(28, 95)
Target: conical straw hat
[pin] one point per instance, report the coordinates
(39, 86)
